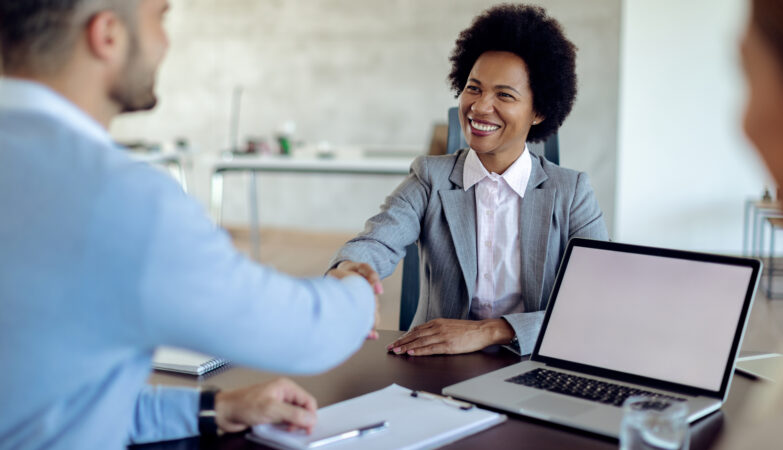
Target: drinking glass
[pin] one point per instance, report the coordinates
(654, 423)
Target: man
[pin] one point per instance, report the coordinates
(102, 259)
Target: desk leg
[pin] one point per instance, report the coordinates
(182, 176)
(745, 224)
(771, 263)
(758, 234)
(255, 233)
(216, 198)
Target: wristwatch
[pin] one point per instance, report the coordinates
(207, 423)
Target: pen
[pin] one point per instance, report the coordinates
(450, 400)
(357, 432)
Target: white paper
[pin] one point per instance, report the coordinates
(414, 423)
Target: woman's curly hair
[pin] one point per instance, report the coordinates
(538, 39)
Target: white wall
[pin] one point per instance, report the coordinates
(684, 168)
(352, 73)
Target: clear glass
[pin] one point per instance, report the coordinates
(652, 423)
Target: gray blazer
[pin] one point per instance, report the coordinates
(431, 208)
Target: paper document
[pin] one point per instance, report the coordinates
(763, 366)
(413, 423)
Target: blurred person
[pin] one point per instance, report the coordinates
(492, 221)
(103, 259)
(762, 59)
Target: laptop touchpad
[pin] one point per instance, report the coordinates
(555, 405)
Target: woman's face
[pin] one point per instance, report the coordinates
(496, 105)
(764, 111)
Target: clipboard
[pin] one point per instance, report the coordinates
(413, 423)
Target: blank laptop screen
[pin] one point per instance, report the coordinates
(665, 318)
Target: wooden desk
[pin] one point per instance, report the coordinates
(373, 368)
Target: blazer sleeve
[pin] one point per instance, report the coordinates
(386, 235)
(585, 220)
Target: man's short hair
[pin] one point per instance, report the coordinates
(38, 36)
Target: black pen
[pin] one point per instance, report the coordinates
(448, 400)
(349, 434)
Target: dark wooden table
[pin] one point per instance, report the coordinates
(373, 368)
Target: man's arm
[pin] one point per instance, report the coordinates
(198, 292)
(167, 413)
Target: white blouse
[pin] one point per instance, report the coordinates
(498, 204)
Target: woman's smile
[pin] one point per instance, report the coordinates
(482, 127)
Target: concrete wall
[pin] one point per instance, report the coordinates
(352, 73)
(684, 166)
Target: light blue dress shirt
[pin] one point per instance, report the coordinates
(101, 260)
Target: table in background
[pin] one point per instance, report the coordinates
(372, 368)
(172, 162)
(252, 165)
(754, 217)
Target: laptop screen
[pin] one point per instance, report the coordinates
(666, 318)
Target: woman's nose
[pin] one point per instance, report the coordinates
(482, 105)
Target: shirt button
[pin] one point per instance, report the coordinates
(489, 213)
(488, 244)
(487, 276)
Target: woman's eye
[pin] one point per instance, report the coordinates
(506, 96)
(472, 89)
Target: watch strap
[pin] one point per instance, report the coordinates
(207, 417)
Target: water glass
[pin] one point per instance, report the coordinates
(654, 423)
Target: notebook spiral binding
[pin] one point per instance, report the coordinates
(212, 365)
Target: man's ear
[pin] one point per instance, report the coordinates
(107, 37)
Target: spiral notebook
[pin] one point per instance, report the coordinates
(410, 423)
(185, 361)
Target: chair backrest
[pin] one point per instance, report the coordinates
(409, 298)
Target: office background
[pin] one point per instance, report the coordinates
(656, 123)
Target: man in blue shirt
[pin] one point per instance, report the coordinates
(102, 259)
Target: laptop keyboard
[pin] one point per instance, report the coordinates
(581, 387)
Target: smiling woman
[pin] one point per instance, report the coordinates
(493, 220)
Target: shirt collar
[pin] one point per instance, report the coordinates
(29, 96)
(516, 176)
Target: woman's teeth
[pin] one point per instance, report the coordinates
(483, 126)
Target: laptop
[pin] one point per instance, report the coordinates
(626, 320)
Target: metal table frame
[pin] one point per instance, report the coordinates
(254, 165)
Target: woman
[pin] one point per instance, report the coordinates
(491, 221)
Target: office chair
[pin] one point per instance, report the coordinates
(409, 298)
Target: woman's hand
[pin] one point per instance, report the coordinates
(349, 268)
(363, 270)
(452, 336)
(278, 401)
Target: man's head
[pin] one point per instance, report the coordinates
(112, 45)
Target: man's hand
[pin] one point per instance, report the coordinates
(278, 401)
(349, 268)
(452, 336)
(362, 269)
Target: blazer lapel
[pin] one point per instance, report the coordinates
(535, 223)
(459, 207)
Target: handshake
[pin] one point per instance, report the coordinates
(348, 268)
